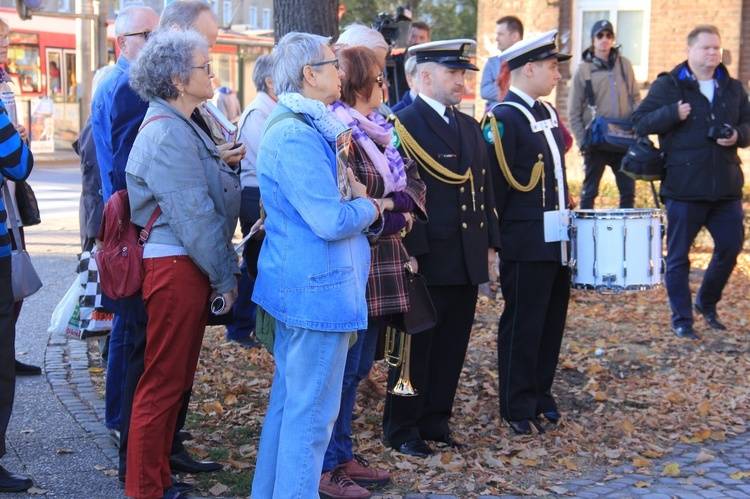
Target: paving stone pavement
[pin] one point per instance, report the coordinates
(57, 435)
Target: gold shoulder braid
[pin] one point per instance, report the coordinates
(414, 151)
(537, 172)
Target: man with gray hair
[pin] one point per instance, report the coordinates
(133, 26)
(412, 79)
(249, 131)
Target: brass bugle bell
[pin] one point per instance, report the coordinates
(396, 356)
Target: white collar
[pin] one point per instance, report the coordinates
(523, 95)
(438, 107)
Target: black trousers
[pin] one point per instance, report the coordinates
(7, 351)
(437, 357)
(529, 336)
(593, 165)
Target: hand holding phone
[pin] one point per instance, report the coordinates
(236, 145)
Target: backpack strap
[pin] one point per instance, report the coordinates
(153, 118)
(283, 116)
(674, 80)
(143, 236)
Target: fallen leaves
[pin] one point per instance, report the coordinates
(629, 391)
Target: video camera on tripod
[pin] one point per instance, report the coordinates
(389, 25)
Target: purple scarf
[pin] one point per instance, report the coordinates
(368, 131)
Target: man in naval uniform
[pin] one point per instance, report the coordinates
(453, 250)
(529, 176)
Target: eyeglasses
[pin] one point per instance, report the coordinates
(145, 34)
(602, 34)
(206, 67)
(380, 80)
(335, 63)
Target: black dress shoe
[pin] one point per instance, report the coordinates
(710, 316)
(27, 369)
(417, 448)
(182, 487)
(184, 436)
(448, 440)
(552, 416)
(685, 332)
(13, 483)
(183, 462)
(523, 427)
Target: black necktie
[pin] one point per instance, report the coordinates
(539, 108)
(451, 118)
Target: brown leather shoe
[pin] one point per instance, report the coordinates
(336, 484)
(360, 472)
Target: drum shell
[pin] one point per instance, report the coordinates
(617, 250)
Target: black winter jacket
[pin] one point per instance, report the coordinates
(697, 169)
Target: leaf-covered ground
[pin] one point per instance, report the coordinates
(629, 390)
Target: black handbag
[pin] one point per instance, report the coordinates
(643, 161)
(421, 315)
(28, 208)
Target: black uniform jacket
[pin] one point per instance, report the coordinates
(522, 213)
(452, 246)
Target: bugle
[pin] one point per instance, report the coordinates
(398, 353)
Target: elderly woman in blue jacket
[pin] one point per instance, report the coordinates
(188, 258)
(312, 269)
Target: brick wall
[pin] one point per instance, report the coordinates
(671, 21)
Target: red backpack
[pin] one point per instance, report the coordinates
(120, 259)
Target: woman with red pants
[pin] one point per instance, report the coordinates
(188, 259)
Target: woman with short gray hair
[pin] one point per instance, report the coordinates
(313, 265)
(177, 181)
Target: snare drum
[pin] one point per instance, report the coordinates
(616, 250)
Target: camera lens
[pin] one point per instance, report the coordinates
(218, 304)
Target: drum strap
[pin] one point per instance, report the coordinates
(546, 126)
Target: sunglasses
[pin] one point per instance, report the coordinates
(335, 63)
(145, 34)
(380, 80)
(602, 34)
(206, 67)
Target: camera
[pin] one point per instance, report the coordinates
(387, 24)
(716, 132)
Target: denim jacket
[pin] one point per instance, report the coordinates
(173, 163)
(315, 258)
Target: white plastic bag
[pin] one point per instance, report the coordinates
(65, 309)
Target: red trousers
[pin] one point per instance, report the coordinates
(176, 295)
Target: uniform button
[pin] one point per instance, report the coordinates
(481, 225)
(461, 190)
(555, 188)
(463, 207)
(464, 225)
(482, 207)
(557, 207)
(483, 170)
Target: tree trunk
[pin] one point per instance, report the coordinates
(309, 16)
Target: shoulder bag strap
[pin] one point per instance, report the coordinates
(143, 236)
(11, 215)
(283, 116)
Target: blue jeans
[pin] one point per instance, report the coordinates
(305, 399)
(723, 219)
(358, 364)
(120, 348)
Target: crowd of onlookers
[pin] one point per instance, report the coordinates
(341, 203)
